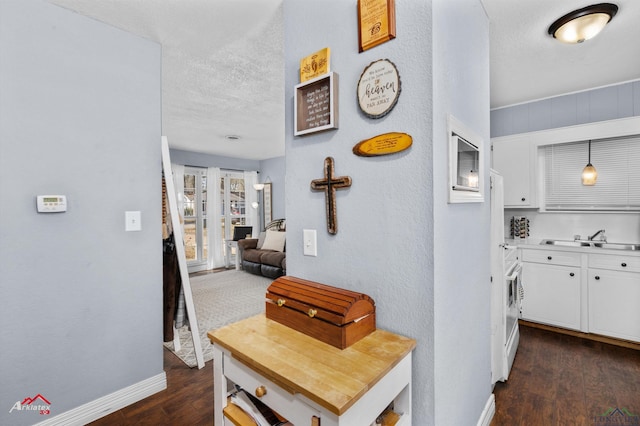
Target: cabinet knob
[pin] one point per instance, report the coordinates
(312, 312)
(261, 391)
(571, 274)
(523, 199)
(281, 302)
(597, 277)
(624, 265)
(549, 258)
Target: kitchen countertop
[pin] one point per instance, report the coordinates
(534, 243)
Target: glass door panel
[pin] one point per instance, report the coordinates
(194, 215)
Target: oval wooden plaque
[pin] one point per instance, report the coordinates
(378, 88)
(384, 144)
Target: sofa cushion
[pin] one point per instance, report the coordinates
(273, 258)
(252, 255)
(274, 241)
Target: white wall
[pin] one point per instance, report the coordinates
(387, 244)
(274, 170)
(461, 232)
(81, 298)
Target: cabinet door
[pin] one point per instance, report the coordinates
(614, 304)
(515, 160)
(551, 295)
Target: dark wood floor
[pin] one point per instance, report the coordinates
(558, 379)
(187, 401)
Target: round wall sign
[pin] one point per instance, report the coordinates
(378, 88)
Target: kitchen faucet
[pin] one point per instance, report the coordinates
(603, 238)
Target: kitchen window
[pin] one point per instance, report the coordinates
(618, 185)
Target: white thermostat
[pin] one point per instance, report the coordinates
(52, 203)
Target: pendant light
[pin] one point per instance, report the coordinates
(589, 173)
(583, 24)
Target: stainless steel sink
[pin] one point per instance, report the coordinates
(617, 246)
(596, 244)
(566, 243)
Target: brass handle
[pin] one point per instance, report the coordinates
(281, 302)
(312, 313)
(261, 391)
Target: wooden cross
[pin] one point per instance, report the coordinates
(329, 185)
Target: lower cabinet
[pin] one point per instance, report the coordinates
(587, 290)
(551, 294)
(614, 304)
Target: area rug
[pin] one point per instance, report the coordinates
(220, 298)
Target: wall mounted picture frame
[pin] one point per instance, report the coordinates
(315, 105)
(267, 203)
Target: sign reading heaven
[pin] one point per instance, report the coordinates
(378, 88)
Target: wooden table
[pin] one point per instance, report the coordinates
(305, 378)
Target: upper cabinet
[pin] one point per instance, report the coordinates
(529, 175)
(515, 158)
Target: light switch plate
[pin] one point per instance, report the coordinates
(309, 242)
(132, 221)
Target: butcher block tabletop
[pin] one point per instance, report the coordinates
(333, 378)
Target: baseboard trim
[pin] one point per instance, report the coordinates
(589, 336)
(110, 403)
(488, 412)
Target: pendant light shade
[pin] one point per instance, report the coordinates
(589, 173)
(583, 24)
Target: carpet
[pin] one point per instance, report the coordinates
(220, 298)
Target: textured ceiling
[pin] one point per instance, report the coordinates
(222, 69)
(223, 62)
(528, 64)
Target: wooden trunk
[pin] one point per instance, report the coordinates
(332, 315)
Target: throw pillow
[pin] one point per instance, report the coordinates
(261, 238)
(274, 241)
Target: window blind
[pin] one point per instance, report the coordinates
(617, 161)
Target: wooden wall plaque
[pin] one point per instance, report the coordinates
(376, 23)
(385, 144)
(378, 88)
(315, 105)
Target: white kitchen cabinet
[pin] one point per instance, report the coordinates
(516, 158)
(551, 294)
(614, 296)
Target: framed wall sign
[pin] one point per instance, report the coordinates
(376, 23)
(315, 105)
(378, 88)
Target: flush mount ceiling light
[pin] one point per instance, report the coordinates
(589, 173)
(583, 24)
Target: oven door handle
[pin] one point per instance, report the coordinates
(515, 271)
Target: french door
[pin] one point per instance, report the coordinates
(195, 218)
(233, 209)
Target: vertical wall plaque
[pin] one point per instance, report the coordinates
(376, 22)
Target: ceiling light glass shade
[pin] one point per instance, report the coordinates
(583, 24)
(258, 186)
(589, 175)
